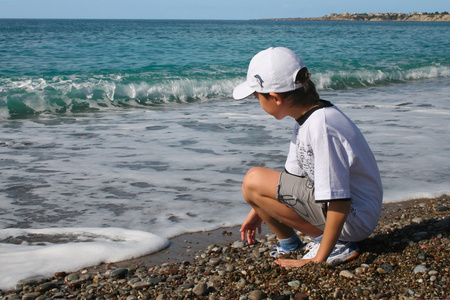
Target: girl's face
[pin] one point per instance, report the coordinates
(271, 105)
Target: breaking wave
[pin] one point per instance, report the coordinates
(22, 97)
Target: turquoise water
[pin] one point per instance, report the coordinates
(131, 123)
(108, 124)
(65, 66)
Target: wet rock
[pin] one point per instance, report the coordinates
(440, 210)
(200, 289)
(337, 293)
(241, 284)
(214, 261)
(420, 269)
(139, 284)
(256, 295)
(238, 244)
(294, 283)
(385, 268)
(154, 280)
(118, 273)
(72, 277)
(34, 280)
(300, 296)
(30, 296)
(281, 297)
(359, 271)
(347, 274)
(230, 268)
(417, 220)
(185, 286)
(46, 286)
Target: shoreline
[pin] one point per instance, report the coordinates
(185, 247)
(411, 235)
(375, 17)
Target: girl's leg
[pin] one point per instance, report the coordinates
(259, 189)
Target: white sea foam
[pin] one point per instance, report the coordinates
(35, 251)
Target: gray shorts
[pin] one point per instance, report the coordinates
(298, 193)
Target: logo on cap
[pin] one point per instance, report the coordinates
(260, 81)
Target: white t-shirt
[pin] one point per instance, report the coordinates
(329, 149)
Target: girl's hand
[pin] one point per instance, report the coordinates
(292, 263)
(251, 224)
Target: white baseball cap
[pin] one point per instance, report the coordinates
(271, 70)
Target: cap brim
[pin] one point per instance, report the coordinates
(242, 91)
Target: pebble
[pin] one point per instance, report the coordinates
(200, 289)
(72, 277)
(214, 261)
(387, 268)
(417, 220)
(359, 271)
(154, 280)
(440, 210)
(294, 283)
(238, 244)
(281, 297)
(230, 268)
(30, 296)
(347, 274)
(420, 269)
(300, 296)
(241, 284)
(256, 295)
(34, 280)
(46, 286)
(241, 271)
(337, 293)
(118, 273)
(139, 285)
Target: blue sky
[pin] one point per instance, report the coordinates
(206, 9)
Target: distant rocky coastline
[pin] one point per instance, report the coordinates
(419, 17)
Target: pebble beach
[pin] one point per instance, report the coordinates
(407, 257)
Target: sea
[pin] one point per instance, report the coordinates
(116, 135)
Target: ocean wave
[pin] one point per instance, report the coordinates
(33, 96)
(341, 80)
(20, 97)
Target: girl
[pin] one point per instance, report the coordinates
(331, 187)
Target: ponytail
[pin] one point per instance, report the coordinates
(306, 95)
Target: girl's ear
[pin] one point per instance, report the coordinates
(277, 97)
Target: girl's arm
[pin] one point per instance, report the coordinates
(336, 216)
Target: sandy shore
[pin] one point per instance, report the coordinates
(407, 257)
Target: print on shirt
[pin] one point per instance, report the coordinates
(305, 159)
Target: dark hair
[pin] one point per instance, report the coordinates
(306, 95)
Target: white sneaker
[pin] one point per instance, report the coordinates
(312, 249)
(342, 252)
(277, 250)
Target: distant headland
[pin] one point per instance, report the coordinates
(420, 17)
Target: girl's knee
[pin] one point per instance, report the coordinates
(256, 183)
(252, 178)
